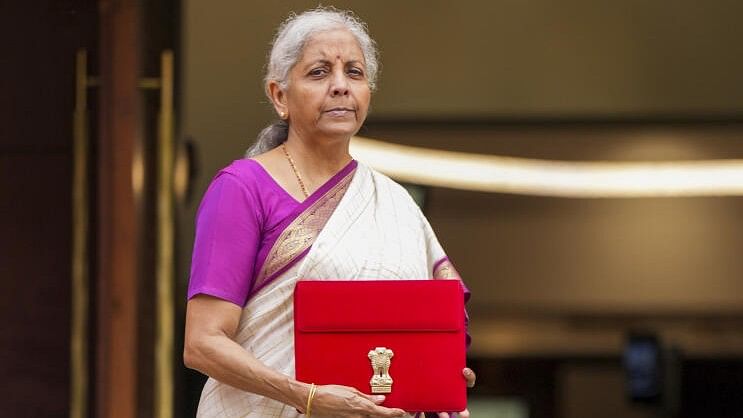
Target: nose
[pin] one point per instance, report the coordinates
(339, 86)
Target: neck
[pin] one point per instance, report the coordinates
(318, 158)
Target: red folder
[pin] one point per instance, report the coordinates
(344, 332)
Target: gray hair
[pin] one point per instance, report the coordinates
(287, 48)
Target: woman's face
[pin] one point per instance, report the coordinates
(328, 93)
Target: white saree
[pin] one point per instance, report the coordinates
(372, 229)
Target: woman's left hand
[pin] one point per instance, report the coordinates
(471, 378)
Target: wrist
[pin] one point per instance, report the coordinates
(300, 393)
(310, 397)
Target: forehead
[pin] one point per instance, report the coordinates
(332, 44)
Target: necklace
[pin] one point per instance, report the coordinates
(294, 169)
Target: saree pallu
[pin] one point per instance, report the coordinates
(364, 227)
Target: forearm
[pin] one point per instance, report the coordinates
(223, 359)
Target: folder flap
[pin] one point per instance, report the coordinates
(379, 305)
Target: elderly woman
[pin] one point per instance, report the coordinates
(298, 207)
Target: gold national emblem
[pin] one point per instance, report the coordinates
(381, 381)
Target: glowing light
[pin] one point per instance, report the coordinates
(595, 179)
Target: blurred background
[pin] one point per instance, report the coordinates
(117, 113)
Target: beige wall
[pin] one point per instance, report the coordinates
(571, 276)
(487, 60)
(478, 58)
(573, 256)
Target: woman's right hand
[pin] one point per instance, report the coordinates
(345, 401)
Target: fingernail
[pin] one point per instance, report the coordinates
(379, 398)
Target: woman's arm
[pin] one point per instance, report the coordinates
(210, 348)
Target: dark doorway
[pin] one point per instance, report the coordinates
(40, 40)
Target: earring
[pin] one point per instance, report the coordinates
(282, 115)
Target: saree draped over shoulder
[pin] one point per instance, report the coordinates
(362, 226)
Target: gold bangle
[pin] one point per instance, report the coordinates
(310, 396)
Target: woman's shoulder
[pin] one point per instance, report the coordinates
(382, 179)
(397, 191)
(245, 170)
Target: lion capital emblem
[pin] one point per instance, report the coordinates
(381, 381)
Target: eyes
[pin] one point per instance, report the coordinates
(353, 71)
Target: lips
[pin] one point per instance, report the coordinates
(340, 111)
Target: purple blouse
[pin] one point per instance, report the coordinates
(241, 215)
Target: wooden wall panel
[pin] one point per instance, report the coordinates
(36, 106)
(35, 300)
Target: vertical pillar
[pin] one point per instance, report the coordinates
(121, 181)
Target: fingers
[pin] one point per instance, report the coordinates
(443, 415)
(379, 411)
(349, 401)
(465, 414)
(377, 399)
(470, 376)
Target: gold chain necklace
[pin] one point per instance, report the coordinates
(294, 169)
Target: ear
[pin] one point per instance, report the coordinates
(278, 97)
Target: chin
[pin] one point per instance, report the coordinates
(340, 131)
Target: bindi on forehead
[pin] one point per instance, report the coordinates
(333, 44)
(331, 59)
(337, 54)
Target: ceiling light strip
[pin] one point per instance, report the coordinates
(491, 173)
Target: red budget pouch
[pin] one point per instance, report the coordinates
(404, 339)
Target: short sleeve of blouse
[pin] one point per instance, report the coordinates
(227, 237)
